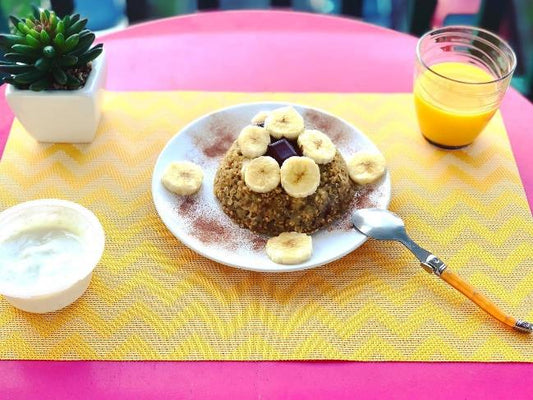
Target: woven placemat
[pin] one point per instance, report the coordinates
(151, 298)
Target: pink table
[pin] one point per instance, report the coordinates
(228, 51)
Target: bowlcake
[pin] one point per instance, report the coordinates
(283, 208)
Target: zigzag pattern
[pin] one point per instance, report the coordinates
(153, 298)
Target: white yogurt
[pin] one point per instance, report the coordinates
(48, 250)
(35, 258)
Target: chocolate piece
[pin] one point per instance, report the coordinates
(281, 150)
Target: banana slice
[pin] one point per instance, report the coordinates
(284, 122)
(261, 174)
(253, 141)
(290, 248)
(300, 176)
(259, 118)
(183, 178)
(317, 146)
(366, 167)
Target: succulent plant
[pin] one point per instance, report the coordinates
(47, 52)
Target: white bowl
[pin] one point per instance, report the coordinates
(64, 289)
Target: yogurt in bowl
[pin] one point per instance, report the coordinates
(48, 251)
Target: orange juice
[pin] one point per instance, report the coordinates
(454, 102)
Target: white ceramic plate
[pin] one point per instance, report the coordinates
(199, 222)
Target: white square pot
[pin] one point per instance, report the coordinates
(62, 116)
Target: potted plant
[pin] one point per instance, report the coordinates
(55, 76)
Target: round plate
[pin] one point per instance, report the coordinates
(199, 222)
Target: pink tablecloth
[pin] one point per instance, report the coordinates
(270, 51)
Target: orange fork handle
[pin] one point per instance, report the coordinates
(484, 303)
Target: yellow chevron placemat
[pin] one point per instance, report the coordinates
(151, 298)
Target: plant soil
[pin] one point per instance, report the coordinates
(81, 73)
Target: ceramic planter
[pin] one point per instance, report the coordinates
(62, 116)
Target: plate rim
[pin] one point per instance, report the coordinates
(282, 267)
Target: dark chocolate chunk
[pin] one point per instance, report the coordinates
(281, 150)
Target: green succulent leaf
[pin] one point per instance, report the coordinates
(84, 33)
(73, 82)
(74, 18)
(71, 42)
(14, 21)
(49, 52)
(43, 64)
(15, 68)
(35, 11)
(83, 45)
(68, 60)
(77, 27)
(45, 37)
(59, 76)
(47, 14)
(7, 40)
(9, 79)
(53, 22)
(25, 49)
(60, 28)
(35, 34)
(39, 85)
(59, 40)
(19, 58)
(29, 77)
(29, 23)
(33, 42)
(21, 26)
(90, 55)
(66, 21)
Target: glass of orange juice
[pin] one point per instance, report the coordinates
(461, 76)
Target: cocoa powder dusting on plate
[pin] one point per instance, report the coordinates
(363, 199)
(258, 243)
(335, 129)
(187, 204)
(206, 229)
(210, 230)
(218, 137)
